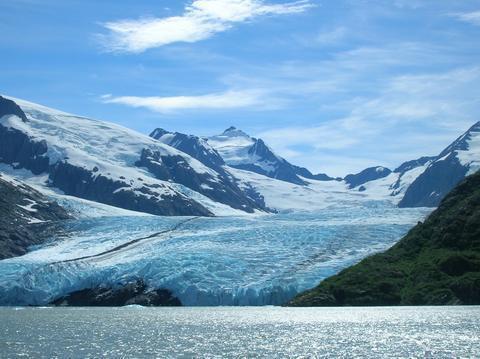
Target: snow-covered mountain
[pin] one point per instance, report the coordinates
(387, 184)
(171, 173)
(201, 150)
(110, 164)
(444, 172)
(195, 146)
(241, 151)
(424, 182)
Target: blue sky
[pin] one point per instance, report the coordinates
(335, 86)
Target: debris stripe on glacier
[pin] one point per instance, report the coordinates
(212, 261)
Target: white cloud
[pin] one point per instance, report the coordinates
(409, 116)
(224, 100)
(200, 20)
(333, 135)
(471, 17)
(445, 99)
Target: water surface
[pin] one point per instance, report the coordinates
(437, 332)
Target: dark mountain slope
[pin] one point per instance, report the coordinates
(437, 263)
(406, 166)
(195, 146)
(367, 175)
(26, 217)
(9, 107)
(445, 171)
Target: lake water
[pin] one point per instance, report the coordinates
(436, 332)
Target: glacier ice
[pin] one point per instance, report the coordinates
(256, 260)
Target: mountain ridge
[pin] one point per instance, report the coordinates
(445, 171)
(239, 150)
(170, 173)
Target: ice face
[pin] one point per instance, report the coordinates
(259, 260)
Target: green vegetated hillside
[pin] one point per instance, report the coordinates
(436, 263)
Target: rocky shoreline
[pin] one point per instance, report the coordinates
(132, 293)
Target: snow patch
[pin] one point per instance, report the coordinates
(471, 157)
(29, 207)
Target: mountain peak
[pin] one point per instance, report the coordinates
(8, 107)
(158, 133)
(232, 131)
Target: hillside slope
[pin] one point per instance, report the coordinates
(437, 263)
(25, 217)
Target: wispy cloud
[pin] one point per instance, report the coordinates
(200, 20)
(444, 100)
(215, 101)
(470, 17)
(439, 105)
(332, 135)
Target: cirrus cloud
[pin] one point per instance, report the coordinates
(470, 17)
(224, 100)
(200, 20)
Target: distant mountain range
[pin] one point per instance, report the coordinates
(170, 173)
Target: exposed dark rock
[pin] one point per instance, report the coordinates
(83, 183)
(219, 188)
(133, 293)
(9, 107)
(195, 146)
(441, 176)
(436, 263)
(367, 175)
(26, 218)
(404, 168)
(305, 173)
(409, 165)
(18, 149)
(283, 170)
(433, 184)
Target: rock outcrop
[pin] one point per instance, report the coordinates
(27, 217)
(367, 175)
(133, 293)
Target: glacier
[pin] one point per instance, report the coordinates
(245, 260)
